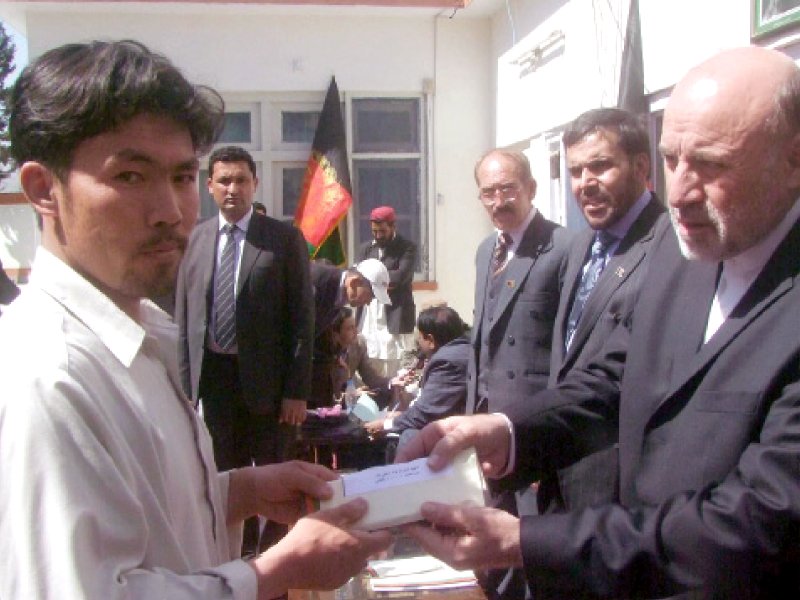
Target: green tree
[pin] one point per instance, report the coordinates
(6, 68)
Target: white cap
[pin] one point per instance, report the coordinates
(375, 272)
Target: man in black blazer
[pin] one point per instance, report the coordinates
(441, 339)
(702, 385)
(253, 392)
(333, 288)
(400, 257)
(608, 158)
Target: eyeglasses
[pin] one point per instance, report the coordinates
(508, 192)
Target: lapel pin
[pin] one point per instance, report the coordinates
(620, 272)
(510, 283)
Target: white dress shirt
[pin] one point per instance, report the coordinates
(109, 488)
(740, 272)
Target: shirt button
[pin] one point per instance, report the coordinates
(511, 374)
(511, 340)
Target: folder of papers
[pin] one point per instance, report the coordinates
(416, 574)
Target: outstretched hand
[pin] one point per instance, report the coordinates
(442, 440)
(321, 552)
(277, 491)
(469, 537)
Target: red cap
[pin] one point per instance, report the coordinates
(382, 213)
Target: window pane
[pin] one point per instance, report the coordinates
(394, 183)
(237, 128)
(292, 178)
(298, 126)
(386, 125)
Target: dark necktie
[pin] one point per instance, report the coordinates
(224, 292)
(597, 261)
(500, 254)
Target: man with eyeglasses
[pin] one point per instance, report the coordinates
(519, 275)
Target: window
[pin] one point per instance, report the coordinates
(386, 147)
(388, 168)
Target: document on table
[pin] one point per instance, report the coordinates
(417, 573)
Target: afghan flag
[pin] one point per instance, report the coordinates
(326, 196)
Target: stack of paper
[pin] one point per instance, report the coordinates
(418, 573)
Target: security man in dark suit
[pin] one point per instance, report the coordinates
(244, 307)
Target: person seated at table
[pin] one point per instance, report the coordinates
(442, 338)
(352, 360)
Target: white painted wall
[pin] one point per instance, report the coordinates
(244, 52)
(18, 235)
(462, 132)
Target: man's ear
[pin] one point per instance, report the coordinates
(39, 184)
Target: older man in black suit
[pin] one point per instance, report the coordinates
(244, 306)
(702, 385)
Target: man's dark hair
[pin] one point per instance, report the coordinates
(441, 322)
(630, 129)
(231, 154)
(78, 91)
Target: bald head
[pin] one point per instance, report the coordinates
(731, 151)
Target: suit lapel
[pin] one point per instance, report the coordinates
(534, 242)
(775, 280)
(630, 253)
(482, 259)
(572, 280)
(207, 255)
(250, 251)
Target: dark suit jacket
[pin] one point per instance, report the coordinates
(444, 387)
(274, 312)
(522, 332)
(594, 478)
(708, 435)
(400, 257)
(326, 283)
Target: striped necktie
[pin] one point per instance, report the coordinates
(225, 293)
(500, 255)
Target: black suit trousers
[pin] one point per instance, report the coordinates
(240, 437)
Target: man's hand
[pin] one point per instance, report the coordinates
(293, 411)
(320, 552)
(276, 491)
(468, 537)
(375, 428)
(442, 440)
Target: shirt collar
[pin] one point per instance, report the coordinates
(620, 229)
(116, 330)
(749, 263)
(519, 231)
(242, 223)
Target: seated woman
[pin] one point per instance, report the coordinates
(352, 361)
(441, 335)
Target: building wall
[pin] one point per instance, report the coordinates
(581, 71)
(244, 52)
